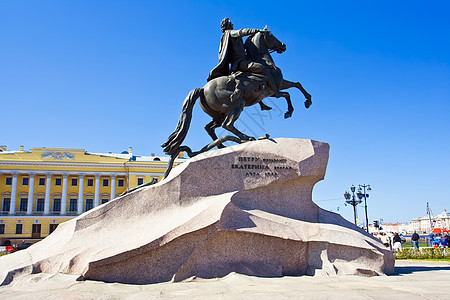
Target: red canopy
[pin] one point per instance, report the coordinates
(439, 230)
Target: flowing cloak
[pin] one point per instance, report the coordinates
(222, 68)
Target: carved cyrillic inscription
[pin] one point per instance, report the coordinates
(257, 166)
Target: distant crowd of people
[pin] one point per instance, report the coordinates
(394, 240)
(438, 241)
(391, 240)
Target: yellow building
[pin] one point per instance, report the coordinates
(44, 187)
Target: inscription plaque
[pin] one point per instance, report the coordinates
(257, 166)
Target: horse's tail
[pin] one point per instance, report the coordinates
(177, 137)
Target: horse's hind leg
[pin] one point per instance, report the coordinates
(210, 128)
(232, 117)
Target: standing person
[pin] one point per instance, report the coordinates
(397, 243)
(390, 237)
(385, 240)
(431, 237)
(415, 239)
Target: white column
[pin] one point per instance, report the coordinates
(64, 194)
(30, 194)
(113, 186)
(12, 207)
(97, 189)
(80, 193)
(48, 183)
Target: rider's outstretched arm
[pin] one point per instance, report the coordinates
(244, 32)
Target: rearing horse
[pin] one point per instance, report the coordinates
(215, 95)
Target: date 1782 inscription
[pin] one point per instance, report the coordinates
(256, 166)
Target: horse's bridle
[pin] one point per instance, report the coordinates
(273, 50)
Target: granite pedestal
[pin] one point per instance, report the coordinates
(244, 209)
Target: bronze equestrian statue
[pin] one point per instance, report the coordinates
(253, 76)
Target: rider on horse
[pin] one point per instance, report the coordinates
(232, 52)
(228, 92)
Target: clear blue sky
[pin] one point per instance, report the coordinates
(106, 75)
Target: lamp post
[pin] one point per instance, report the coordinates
(365, 196)
(351, 199)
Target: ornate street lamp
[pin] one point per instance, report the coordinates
(350, 199)
(365, 196)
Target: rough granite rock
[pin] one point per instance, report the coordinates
(245, 209)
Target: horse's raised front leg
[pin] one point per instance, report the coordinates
(232, 117)
(263, 106)
(290, 110)
(285, 84)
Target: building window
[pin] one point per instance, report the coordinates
(140, 181)
(52, 228)
(72, 205)
(58, 181)
(120, 183)
(6, 204)
(40, 205)
(25, 180)
(105, 182)
(23, 204)
(42, 181)
(90, 182)
(19, 228)
(57, 205)
(2, 228)
(8, 181)
(104, 200)
(74, 181)
(89, 204)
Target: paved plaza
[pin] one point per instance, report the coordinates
(413, 280)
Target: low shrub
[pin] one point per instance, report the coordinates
(424, 253)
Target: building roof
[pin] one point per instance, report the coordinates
(442, 215)
(62, 154)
